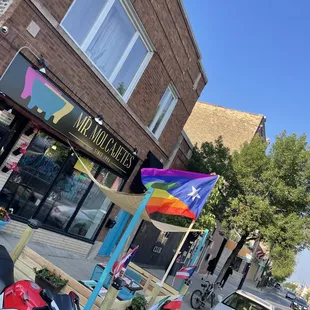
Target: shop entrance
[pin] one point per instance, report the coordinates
(51, 185)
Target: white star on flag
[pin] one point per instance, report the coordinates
(194, 194)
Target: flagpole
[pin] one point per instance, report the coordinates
(118, 249)
(177, 252)
(173, 281)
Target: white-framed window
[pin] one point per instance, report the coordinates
(107, 32)
(163, 111)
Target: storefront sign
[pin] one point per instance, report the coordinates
(35, 93)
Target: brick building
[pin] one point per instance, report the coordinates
(117, 80)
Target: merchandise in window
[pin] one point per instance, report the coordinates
(163, 112)
(106, 34)
(52, 186)
(37, 170)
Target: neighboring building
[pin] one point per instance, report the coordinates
(117, 79)
(206, 123)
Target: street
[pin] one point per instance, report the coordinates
(275, 297)
(271, 295)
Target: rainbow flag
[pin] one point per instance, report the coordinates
(177, 192)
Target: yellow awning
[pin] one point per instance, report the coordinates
(130, 203)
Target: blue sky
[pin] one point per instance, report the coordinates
(256, 55)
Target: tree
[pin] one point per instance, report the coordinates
(262, 187)
(290, 286)
(250, 210)
(121, 88)
(307, 296)
(214, 157)
(283, 263)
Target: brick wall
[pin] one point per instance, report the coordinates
(175, 60)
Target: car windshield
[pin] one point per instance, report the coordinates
(240, 302)
(301, 301)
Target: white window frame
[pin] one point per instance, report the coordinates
(140, 32)
(166, 117)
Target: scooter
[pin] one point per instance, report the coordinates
(27, 295)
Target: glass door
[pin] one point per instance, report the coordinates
(95, 207)
(67, 193)
(37, 170)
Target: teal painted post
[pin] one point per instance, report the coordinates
(118, 249)
(197, 251)
(113, 235)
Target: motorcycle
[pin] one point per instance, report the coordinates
(27, 295)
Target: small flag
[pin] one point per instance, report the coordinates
(185, 272)
(159, 304)
(124, 262)
(177, 192)
(174, 304)
(260, 254)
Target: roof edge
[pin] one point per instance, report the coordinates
(219, 106)
(191, 32)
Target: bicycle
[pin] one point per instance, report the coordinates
(199, 298)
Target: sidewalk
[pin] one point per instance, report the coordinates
(230, 286)
(73, 264)
(81, 268)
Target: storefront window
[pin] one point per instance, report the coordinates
(95, 206)
(37, 169)
(67, 193)
(51, 185)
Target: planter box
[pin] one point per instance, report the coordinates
(43, 283)
(3, 224)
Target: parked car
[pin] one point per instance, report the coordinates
(241, 300)
(299, 304)
(290, 295)
(277, 286)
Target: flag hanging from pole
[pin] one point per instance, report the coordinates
(185, 272)
(175, 304)
(177, 192)
(124, 262)
(159, 304)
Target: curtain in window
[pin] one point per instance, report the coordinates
(110, 42)
(82, 17)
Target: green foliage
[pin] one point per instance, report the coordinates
(289, 174)
(138, 302)
(121, 88)
(287, 231)
(283, 263)
(264, 190)
(291, 286)
(307, 296)
(216, 158)
(50, 276)
(249, 211)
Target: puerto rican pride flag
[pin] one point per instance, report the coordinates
(174, 304)
(185, 272)
(124, 262)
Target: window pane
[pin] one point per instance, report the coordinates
(130, 67)
(111, 40)
(67, 192)
(162, 112)
(37, 169)
(81, 18)
(95, 207)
